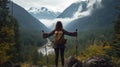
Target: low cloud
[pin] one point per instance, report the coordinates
(50, 23)
(92, 2)
(90, 8)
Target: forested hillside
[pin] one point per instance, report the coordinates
(9, 35)
(19, 40)
(30, 27)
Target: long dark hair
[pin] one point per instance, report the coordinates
(59, 26)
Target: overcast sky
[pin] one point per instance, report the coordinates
(56, 5)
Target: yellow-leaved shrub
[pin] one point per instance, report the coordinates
(93, 50)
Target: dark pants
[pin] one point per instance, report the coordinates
(57, 50)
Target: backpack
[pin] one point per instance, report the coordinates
(59, 38)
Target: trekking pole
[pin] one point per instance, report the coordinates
(46, 52)
(76, 44)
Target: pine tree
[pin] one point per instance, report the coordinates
(116, 43)
(8, 33)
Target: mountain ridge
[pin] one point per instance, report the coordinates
(101, 18)
(69, 11)
(43, 13)
(24, 18)
(30, 28)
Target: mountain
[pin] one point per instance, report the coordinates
(25, 20)
(30, 28)
(70, 11)
(43, 13)
(99, 17)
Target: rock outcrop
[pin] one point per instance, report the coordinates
(97, 62)
(73, 62)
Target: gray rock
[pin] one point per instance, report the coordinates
(72, 62)
(78, 64)
(97, 62)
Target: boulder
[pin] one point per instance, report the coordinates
(78, 64)
(73, 62)
(97, 62)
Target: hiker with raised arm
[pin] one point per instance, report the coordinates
(59, 41)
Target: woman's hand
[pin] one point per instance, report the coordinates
(76, 33)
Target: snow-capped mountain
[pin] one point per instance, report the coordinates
(81, 8)
(43, 13)
(73, 8)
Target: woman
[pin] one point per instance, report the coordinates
(59, 46)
